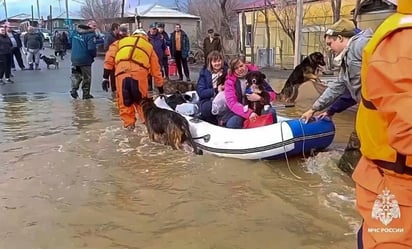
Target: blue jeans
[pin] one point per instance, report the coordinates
(206, 114)
(236, 122)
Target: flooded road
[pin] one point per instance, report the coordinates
(70, 177)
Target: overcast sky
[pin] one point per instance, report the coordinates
(15, 7)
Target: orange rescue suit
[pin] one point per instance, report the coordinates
(132, 57)
(383, 176)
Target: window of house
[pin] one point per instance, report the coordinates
(248, 35)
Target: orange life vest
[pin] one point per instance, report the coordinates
(374, 138)
(136, 49)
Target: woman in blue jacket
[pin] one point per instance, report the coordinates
(211, 81)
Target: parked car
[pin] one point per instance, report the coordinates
(46, 34)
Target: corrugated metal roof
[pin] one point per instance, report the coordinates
(21, 16)
(156, 10)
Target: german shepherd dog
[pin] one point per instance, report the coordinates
(165, 126)
(306, 70)
(255, 84)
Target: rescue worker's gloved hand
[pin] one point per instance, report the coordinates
(106, 73)
(105, 85)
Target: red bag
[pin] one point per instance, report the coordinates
(262, 120)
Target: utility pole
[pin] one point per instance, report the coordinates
(122, 14)
(51, 19)
(67, 10)
(5, 9)
(298, 32)
(38, 15)
(67, 14)
(38, 10)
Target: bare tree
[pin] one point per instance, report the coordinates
(356, 12)
(285, 14)
(183, 5)
(324, 14)
(216, 14)
(336, 8)
(99, 10)
(265, 13)
(122, 15)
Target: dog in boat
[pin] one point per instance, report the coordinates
(255, 84)
(173, 86)
(307, 70)
(50, 60)
(165, 126)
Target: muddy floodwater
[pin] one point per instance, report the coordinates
(71, 177)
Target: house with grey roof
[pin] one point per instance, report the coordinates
(60, 21)
(150, 13)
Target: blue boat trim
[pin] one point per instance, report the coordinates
(268, 147)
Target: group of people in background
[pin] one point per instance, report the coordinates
(60, 43)
(12, 47)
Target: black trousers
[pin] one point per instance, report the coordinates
(15, 52)
(165, 61)
(180, 61)
(5, 65)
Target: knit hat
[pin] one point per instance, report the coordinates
(160, 25)
(140, 31)
(344, 27)
(152, 25)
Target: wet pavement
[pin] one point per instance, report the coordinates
(71, 177)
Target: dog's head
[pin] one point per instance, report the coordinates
(177, 99)
(317, 59)
(255, 78)
(147, 104)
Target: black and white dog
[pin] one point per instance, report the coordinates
(50, 60)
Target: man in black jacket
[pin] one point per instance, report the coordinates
(16, 49)
(165, 59)
(112, 36)
(33, 42)
(211, 43)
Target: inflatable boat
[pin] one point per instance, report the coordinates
(288, 137)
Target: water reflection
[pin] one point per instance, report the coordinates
(14, 117)
(83, 114)
(104, 187)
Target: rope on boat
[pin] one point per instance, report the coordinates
(304, 140)
(284, 149)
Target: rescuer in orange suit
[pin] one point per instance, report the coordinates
(383, 176)
(133, 59)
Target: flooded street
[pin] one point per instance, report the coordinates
(71, 177)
